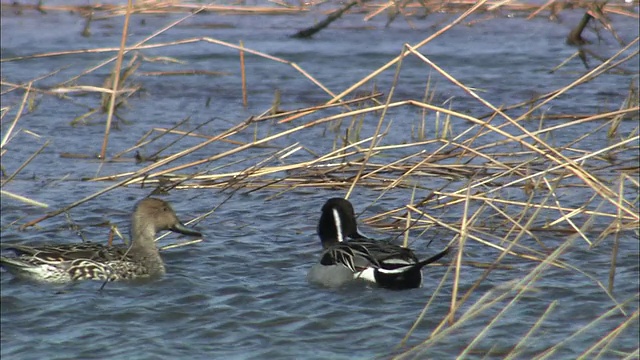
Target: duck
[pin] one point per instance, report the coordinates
(65, 263)
(348, 255)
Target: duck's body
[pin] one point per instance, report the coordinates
(90, 261)
(388, 265)
(84, 261)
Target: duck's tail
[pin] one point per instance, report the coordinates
(411, 267)
(17, 249)
(404, 276)
(434, 258)
(14, 265)
(27, 271)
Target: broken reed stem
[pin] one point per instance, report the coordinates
(243, 77)
(33, 156)
(116, 79)
(134, 47)
(616, 238)
(5, 139)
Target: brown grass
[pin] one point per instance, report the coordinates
(478, 175)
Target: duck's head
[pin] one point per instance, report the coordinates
(154, 215)
(337, 222)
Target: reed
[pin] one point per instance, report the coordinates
(501, 171)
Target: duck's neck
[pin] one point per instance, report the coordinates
(330, 229)
(143, 241)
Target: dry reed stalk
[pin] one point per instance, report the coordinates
(275, 169)
(140, 46)
(619, 144)
(521, 344)
(313, 109)
(23, 199)
(3, 150)
(243, 76)
(29, 84)
(536, 206)
(252, 144)
(458, 259)
(307, 164)
(369, 77)
(490, 171)
(143, 142)
(116, 79)
(182, 72)
(138, 175)
(134, 47)
(616, 239)
(24, 164)
(607, 340)
(522, 286)
(407, 8)
(379, 126)
(609, 313)
(426, 307)
(158, 7)
(475, 309)
(512, 243)
(480, 240)
(538, 10)
(584, 78)
(7, 134)
(484, 303)
(557, 157)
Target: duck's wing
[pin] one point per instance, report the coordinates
(386, 254)
(355, 257)
(359, 254)
(68, 252)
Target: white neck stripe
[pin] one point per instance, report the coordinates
(336, 219)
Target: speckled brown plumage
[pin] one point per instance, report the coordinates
(92, 261)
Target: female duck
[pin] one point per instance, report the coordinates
(388, 265)
(89, 261)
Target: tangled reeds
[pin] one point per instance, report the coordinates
(502, 170)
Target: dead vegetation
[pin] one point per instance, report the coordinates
(508, 188)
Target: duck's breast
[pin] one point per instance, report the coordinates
(330, 275)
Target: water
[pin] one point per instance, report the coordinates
(242, 293)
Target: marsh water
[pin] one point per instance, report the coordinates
(242, 292)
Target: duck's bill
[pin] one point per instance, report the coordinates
(180, 228)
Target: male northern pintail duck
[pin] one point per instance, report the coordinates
(358, 257)
(90, 261)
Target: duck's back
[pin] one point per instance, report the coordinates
(67, 252)
(378, 254)
(70, 262)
